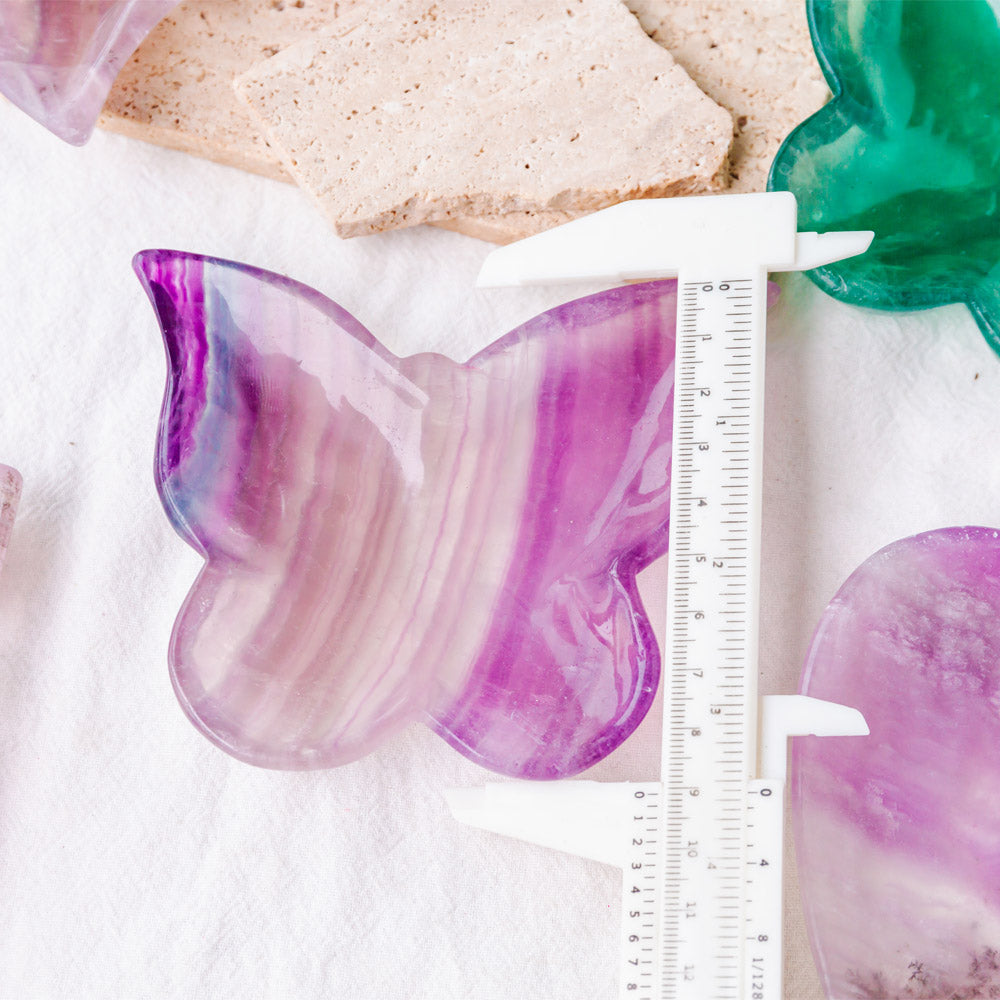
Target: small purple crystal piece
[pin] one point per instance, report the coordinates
(59, 58)
(390, 540)
(898, 834)
(10, 495)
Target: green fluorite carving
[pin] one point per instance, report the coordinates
(909, 147)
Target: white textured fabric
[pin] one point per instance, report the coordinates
(136, 859)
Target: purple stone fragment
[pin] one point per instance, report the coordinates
(10, 495)
(390, 540)
(59, 58)
(898, 834)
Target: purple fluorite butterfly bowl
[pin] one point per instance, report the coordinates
(390, 540)
(898, 833)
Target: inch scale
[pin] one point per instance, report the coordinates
(701, 850)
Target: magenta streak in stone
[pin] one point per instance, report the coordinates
(390, 540)
(59, 58)
(898, 834)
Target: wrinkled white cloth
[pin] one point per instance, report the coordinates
(136, 859)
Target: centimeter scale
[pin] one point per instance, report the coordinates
(702, 849)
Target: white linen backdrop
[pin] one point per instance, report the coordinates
(136, 859)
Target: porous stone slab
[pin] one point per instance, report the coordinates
(177, 89)
(459, 109)
(756, 60)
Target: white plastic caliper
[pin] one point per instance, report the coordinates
(702, 849)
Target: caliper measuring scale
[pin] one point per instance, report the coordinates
(702, 849)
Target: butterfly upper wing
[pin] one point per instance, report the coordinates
(569, 666)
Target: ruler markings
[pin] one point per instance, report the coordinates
(710, 719)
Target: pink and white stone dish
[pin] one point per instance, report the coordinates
(59, 58)
(390, 540)
(898, 834)
(10, 496)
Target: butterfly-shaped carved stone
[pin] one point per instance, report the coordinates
(398, 539)
(59, 58)
(908, 148)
